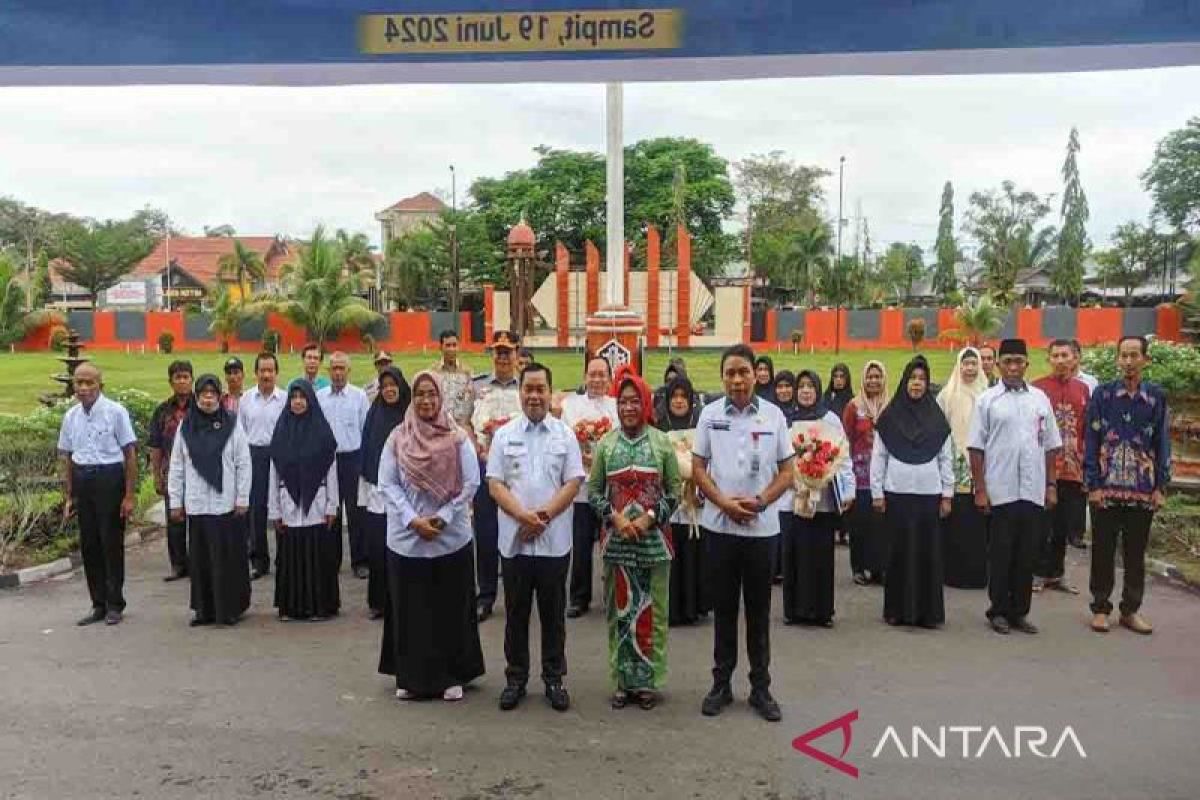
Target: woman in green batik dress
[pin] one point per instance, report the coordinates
(634, 488)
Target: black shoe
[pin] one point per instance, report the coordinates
(717, 698)
(483, 612)
(362, 573)
(1000, 625)
(376, 614)
(198, 621)
(113, 618)
(574, 612)
(1024, 626)
(762, 702)
(178, 574)
(96, 615)
(511, 696)
(556, 693)
(1078, 544)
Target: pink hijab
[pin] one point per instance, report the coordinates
(429, 451)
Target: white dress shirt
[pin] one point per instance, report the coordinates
(1014, 428)
(346, 411)
(1089, 380)
(744, 450)
(534, 460)
(258, 413)
(281, 505)
(97, 435)
(186, 489)
(579, 407)
(892, 476)
(405, 502)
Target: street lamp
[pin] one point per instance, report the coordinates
(454, 287)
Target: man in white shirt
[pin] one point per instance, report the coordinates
(1013, 444)
(96, 447)
(534, 470)
(742, 461)
(345, 407)
(258, 411)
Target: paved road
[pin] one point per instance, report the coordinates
(154, 709)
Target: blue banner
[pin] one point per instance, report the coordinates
(346, 41)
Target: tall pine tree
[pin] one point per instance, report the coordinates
(1073, 246)
(945, 281)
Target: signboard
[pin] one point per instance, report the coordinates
(288, 42)
(127, 293)
(184, 293)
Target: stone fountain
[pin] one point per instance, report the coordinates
(72, 359)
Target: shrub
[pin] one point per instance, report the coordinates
(58, 339)
(270, 341)
(166, 342)
(1175, 367)
(916, 331)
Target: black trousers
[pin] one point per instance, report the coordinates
(96, 492)
(1132, 525)
(1016, 534)
(1063, 523)
(177, 544)
(741, 568)
(545, 577)
(487, 543)
(585, 529)
(349, 467)
(256, 521)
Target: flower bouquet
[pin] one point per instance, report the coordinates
(590, 431)
(821, 450)
(689, 495)
(490, 426)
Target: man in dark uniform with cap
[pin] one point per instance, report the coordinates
(235, 380)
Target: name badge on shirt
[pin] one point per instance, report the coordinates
(756, 449)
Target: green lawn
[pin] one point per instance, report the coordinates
(25, 376)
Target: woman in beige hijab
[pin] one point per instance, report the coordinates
(964, 538)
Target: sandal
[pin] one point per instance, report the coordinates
(619, 700)
(1065, 588)
(647, 700)
(453, 694)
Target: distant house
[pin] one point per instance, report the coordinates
(194, 262)
(408, 215)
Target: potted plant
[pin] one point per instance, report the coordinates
(166, 342)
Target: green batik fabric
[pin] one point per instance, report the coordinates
(637, 600)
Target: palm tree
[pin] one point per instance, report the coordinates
(977, 320)
(241, 264)
(809, 255)
(226, 316)
(355, 252)
(316, 294)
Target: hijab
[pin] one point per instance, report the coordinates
(633, 379)
(381, 419)
(429, 451)
(303, 447)
(206, 434)
(677, 366)
(667, 420)
(836, 399)
(789, 408)
(765, 390)
(818, 409)
(913, 430)
(957, 398)
(623, 372)
(872, 407)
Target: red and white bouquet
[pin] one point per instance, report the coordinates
(590, 431)
(821, 451)
(490, 426)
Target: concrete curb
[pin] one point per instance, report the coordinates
(43, 572)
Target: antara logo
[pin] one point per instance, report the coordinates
(974, 742)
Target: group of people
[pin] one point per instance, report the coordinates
(451, 484)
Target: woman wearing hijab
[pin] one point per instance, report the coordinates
(840, 391)
(429, 473)
(785, 398)
(965, 539)
(764, 378)
(912, 481)
(676, 368)
(634, 489)
(808, 547)
(302, 501)
(689, 598)
(209, 481)
(867, 542)
(392, 399)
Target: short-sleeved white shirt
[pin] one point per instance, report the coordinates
(534, 460)
(744, 450)
(98, 435)
(1014, 428)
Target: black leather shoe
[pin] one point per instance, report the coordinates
(97, 615)
(112, 618)
(1024, 626)
(556, 693)
(717, 698)
(762, 702)
(575, 612)
(198, 621)
(483, 612)
(1000, 625)
(511, 696)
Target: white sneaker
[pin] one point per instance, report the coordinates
(453, 694)
(404, 694)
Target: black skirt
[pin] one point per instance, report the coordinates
(375, 530)
(689, 592)
(307, 581)
(868, 543)
(218, 568)
(913, 593)
(430, 631)
(965, 544)
(808, 569)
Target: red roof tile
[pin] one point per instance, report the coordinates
(200, 256)
(418, 202)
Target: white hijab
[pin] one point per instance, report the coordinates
(957, 399)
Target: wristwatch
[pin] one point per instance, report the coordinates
(761, 505)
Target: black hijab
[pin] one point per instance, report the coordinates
(206, 434)
(667, 421)
(838, 399)
(913, 430)
(765, 390)
(381, 419)
(818, 409)
(303, 447)
(789, 408)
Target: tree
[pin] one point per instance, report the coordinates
(1173, 178)
(316, 293)
(413, 266)
(355, 251)
(98, 255)
(226, 316)
(808, 254)
(1004, 224)
(244, 266)
(902, 266)
(41, 281)
(945, 280)
(220, 230)
(15, 322)
(1073, 244)
(977, 320)
(1130, 261)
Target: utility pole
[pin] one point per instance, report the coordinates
(454, 277)
(837, 306)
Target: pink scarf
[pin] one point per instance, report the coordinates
(428, 451)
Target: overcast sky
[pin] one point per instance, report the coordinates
(270, 160)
